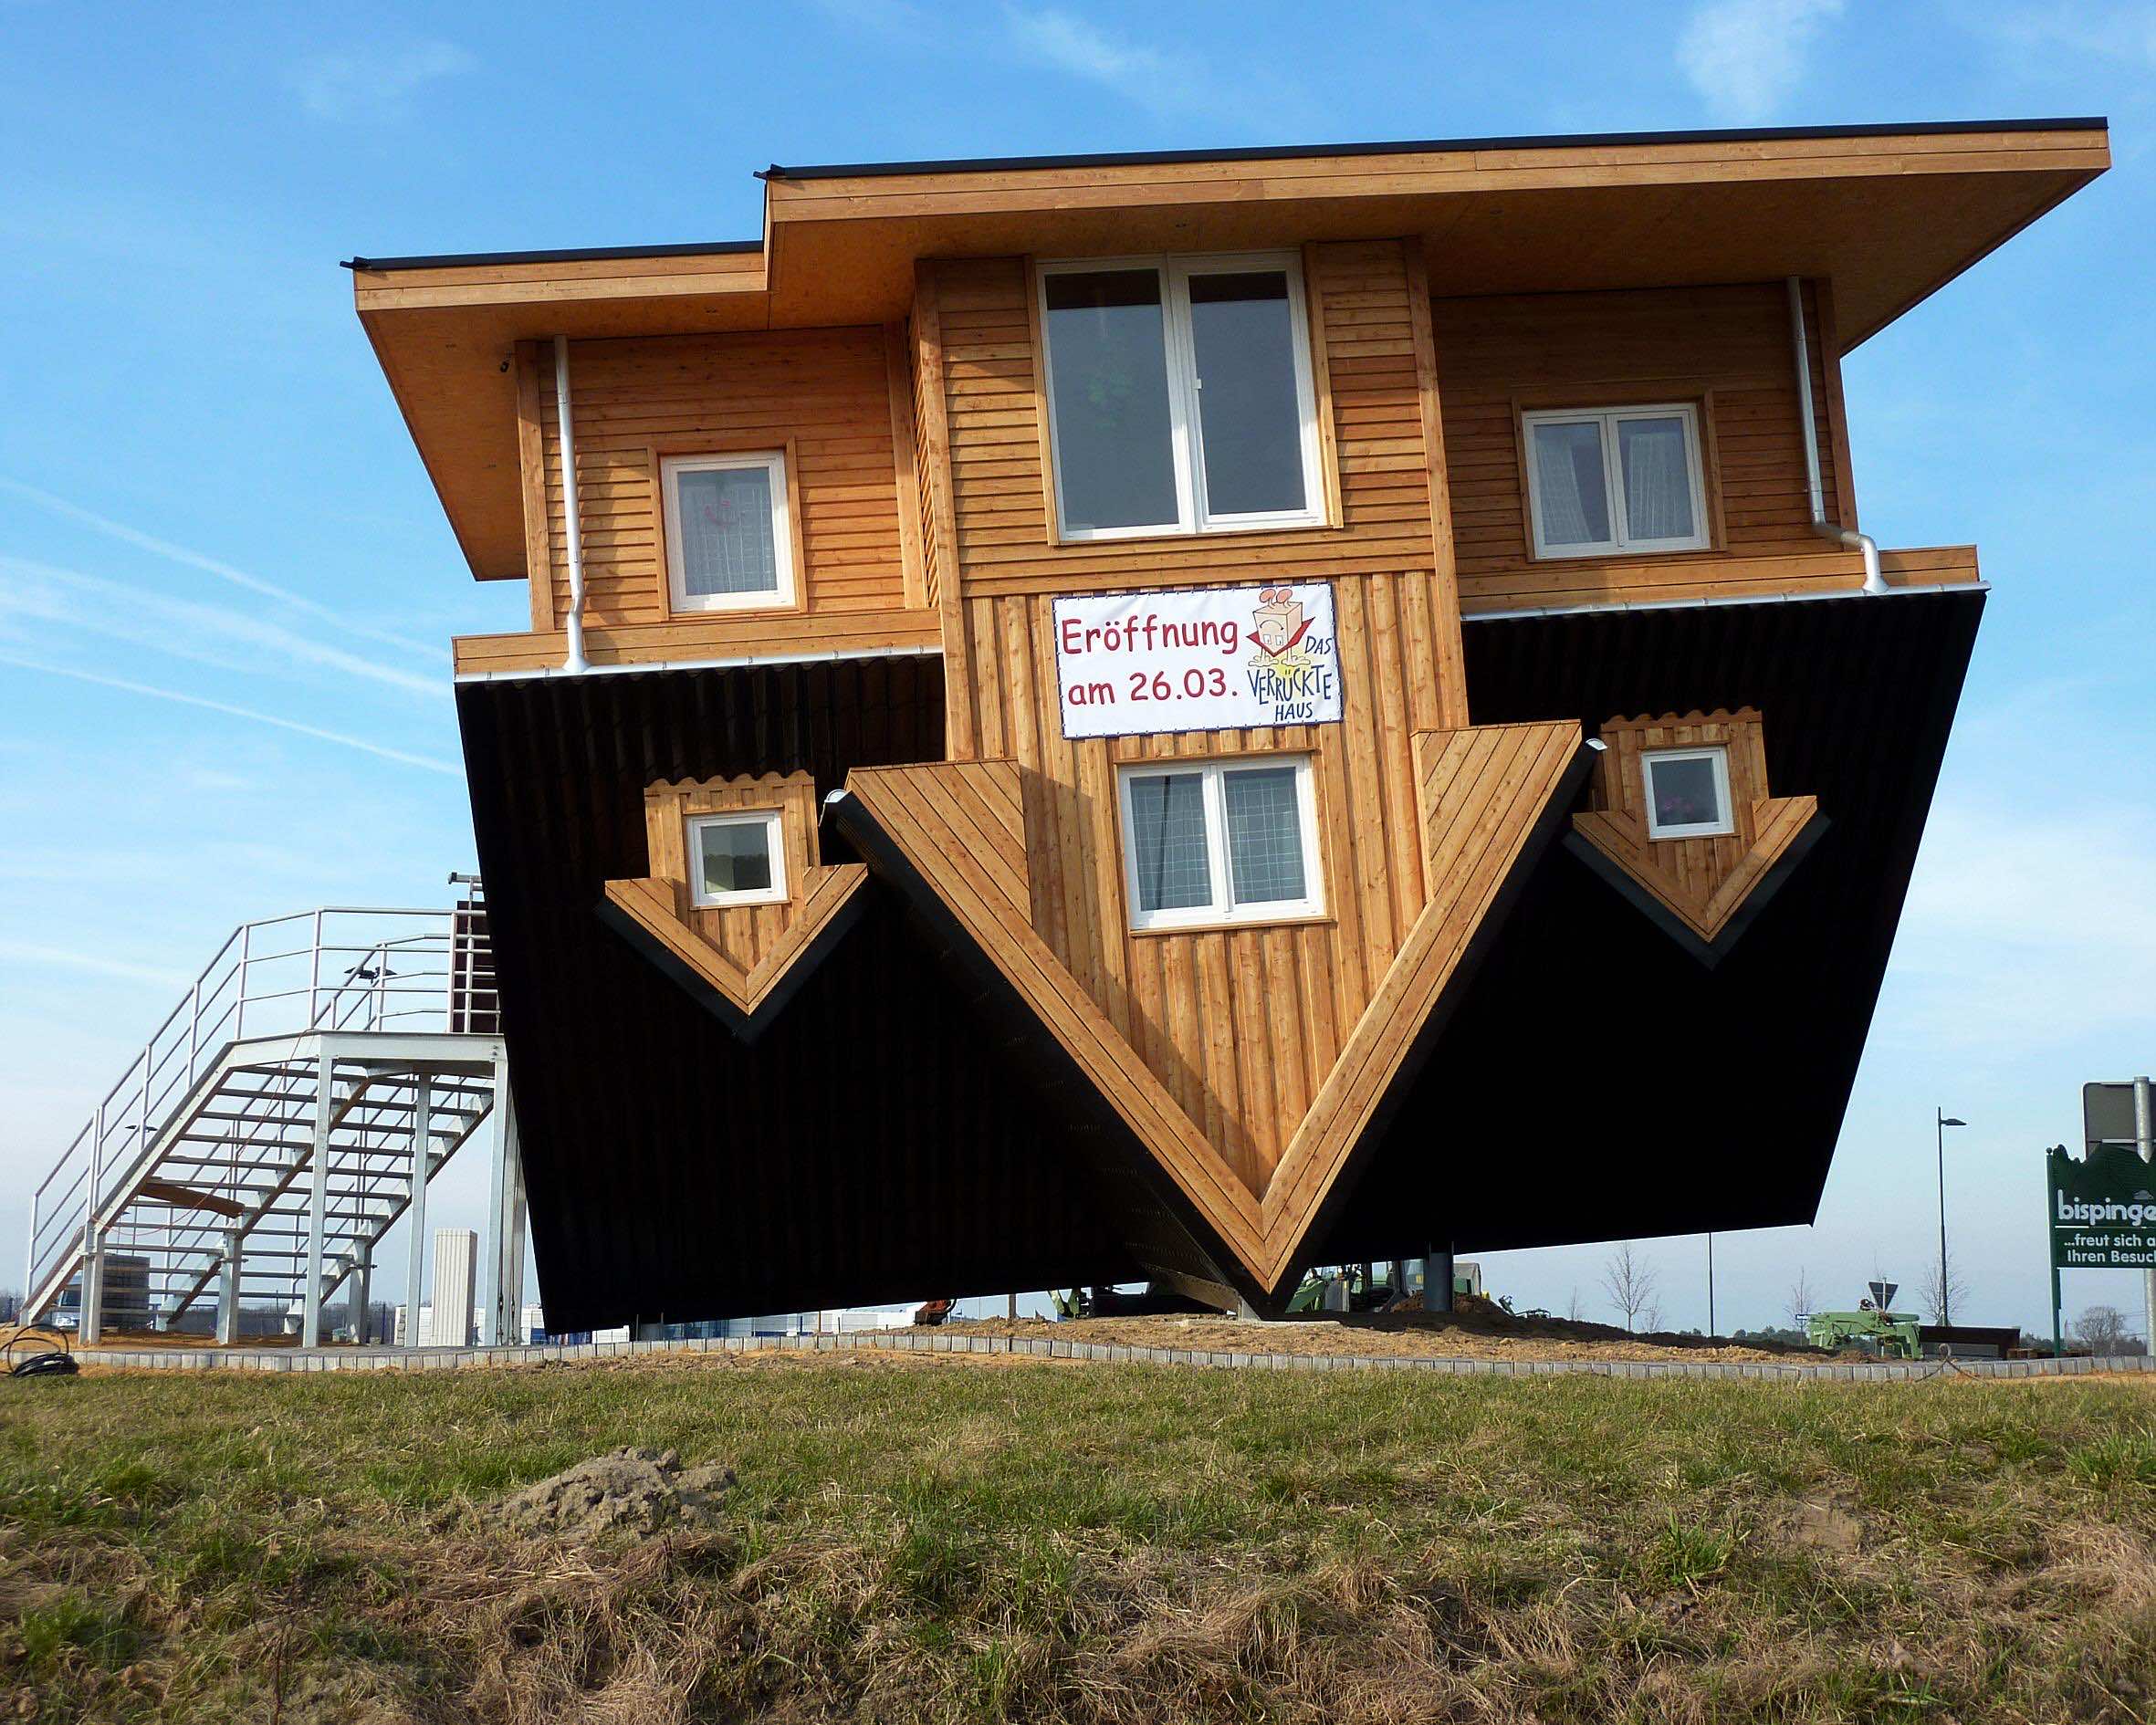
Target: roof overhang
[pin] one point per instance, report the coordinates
(1888, 215)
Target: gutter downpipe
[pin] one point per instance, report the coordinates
(572, 528)
(1874, 583)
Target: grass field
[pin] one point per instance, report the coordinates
(954, 1539)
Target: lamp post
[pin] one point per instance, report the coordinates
(1941, 1121)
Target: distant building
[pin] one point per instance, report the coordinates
(451, 1320)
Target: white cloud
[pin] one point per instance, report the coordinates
(1066, 43)
(371, 82)
(1745, 57)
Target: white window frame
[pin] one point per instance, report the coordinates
(773, 822)
(1223, 911)
(678, 597)
(1613, 477)
(1725, 822)
(1186, 423)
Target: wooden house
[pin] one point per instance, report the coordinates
(1189, 714)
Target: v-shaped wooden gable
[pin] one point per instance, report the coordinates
(954, 837)
(740, 961)
(1704, 889)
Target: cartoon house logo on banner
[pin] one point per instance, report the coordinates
(1209, 660)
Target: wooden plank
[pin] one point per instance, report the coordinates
(1449, 665)
(714, 637)
(941, 533)
(531, 467)
(1837, 415)
(898, 374)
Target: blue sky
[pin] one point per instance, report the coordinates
(225, 586)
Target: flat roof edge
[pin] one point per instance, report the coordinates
(573, 255)
(1547, 140)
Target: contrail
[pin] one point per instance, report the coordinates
(361, 743)
(211, 565)
(228, 620)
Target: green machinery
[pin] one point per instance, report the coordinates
(1873, 1327)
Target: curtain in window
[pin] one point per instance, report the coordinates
(1168, 841)
(1657, 479)
(727, 542)
(1568, 485)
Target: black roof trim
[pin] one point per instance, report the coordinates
(575, 255)
(1545, 141)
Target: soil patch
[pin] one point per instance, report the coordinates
(1480, 1329)
(631, 1491)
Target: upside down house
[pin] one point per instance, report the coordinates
(1186, 716)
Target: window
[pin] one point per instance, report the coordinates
(1208, 842)
(1688, 793)
(1615, 479)
(729, 546)
(737, 859)
(1179, 398)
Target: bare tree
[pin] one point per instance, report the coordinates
(1940, 1297)
(1571, 1311)
(1800, 1300)
(2103, 1329)
(1631, 1282)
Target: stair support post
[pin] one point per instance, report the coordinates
(501, 1312)
(91, 1322)
(228, 1288)
(359, 1291)
(318, 1206)
(423, 1168)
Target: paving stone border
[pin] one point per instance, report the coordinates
(886, 1342)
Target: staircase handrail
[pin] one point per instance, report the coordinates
(213, 1014)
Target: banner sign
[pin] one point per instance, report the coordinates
(1133, 665)
(2103, 1209)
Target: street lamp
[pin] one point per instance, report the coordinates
(1943, 1120)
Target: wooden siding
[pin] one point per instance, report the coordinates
(954, 822)
(1726, 348)
(1702, 882)
(1654, 581)
(1242, 1025)
(743, 931)
(823, 394)
(1370, 399)
(691, 640)
(1478, 800)
(743, 952)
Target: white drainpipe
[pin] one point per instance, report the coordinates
(572, 529)
(1874, 583)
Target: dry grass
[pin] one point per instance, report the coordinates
(1479, 1330)
(1037, 1542)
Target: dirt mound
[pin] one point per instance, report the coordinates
(1476, 1329)
(631, 1491)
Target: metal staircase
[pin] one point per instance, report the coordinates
(287, 1112)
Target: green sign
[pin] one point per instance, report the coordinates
(2103, 1209)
